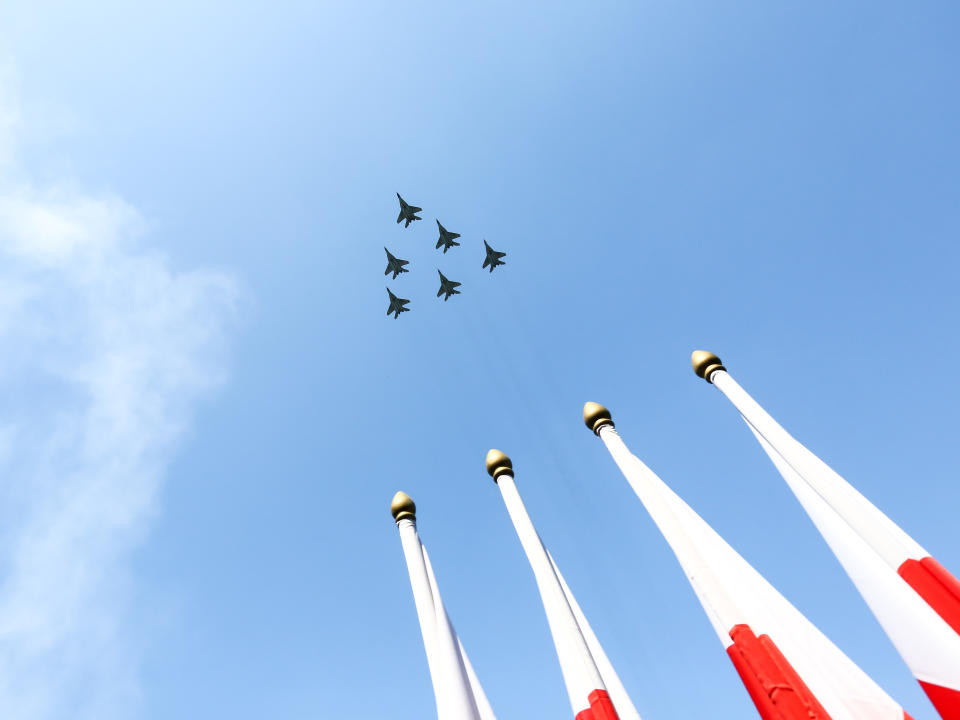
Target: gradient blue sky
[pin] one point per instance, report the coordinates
(777, 184)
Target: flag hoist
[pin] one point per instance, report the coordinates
(595, 690)
(790, 669)
(915, 599)
(456, 688)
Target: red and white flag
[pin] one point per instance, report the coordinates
(456, 688)
(595, 690)
(791, 670)
(915, 599)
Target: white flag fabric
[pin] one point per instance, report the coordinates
(790, 669)
(915, 599)
(595, 691)
(456, 688)
(479, 696)
(618, 693)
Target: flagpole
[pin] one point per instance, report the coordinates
(588, 693)
(451, 682)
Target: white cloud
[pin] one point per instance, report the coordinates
(104, 350)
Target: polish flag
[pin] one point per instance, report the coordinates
(456, 688)
(790, 669)
(595, 690)
(915, 599)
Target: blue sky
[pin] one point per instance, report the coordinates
(208, 411)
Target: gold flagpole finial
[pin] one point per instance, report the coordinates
(402, 506)
(705, 364)
(499, 464)
(596, 416)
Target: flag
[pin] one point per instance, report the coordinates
(791, 670)
(915, 599)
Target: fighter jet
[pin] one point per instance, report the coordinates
(407, 212)
(447, 286)
(395, 264)
(446, 238)
(493, 257)
(396, 305)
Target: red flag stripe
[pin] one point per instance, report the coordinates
(601, 707)
(945, 700)
(796, 681)
(775, 687)
(760, 698)
(936, 586)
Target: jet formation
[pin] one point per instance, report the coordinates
(447, 240)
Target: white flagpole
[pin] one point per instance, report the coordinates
(584, 684)
(451, 685)
(887, 539)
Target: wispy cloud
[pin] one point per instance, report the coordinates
(104, 350)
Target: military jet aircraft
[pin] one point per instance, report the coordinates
(407, 212)
(493, 257)
(396, 305)
(396, 265)
(446, 238)
(447, 286)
